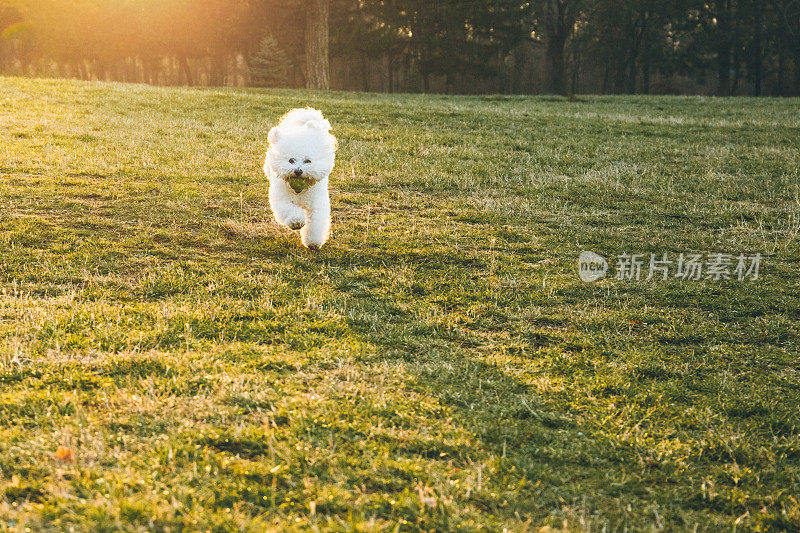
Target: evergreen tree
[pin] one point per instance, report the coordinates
(269, 65)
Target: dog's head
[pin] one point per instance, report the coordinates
(302, 150)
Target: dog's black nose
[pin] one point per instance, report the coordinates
(298, 172)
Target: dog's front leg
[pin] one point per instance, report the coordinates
(318, 221)
(285, 211)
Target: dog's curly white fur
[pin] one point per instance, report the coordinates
(300, 157)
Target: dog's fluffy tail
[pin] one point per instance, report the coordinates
(301, 116)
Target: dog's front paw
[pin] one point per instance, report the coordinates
(296, 223)
(311, 244)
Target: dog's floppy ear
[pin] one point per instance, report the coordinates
(272, 136)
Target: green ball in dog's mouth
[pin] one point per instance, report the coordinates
(300, 184)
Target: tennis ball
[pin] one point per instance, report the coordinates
(298, 185)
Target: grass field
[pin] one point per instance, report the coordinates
(438, 364)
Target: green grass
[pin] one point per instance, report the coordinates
(438, 364)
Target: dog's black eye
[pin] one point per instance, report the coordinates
(291, 161)
(307, 161)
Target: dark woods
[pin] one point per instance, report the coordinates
(726, 47)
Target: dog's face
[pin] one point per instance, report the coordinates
(305, 151)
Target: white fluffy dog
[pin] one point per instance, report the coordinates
(299, 159)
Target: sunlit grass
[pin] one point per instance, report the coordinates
(438, 364)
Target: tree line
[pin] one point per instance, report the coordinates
(723, 47)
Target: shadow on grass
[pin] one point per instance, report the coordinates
(616, 458)
(543, 464)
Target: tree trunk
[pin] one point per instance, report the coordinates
(82, 70)
(723, 52)
(364, 73)
(796, 88)
(724, 73)
(384, 75)
(317, 61)
(646, 78)
(632, 70)
(103, 71)
(218, 70)
(518, 73)
(757, 52)
(187, 70)
(555, 63)
(576, 67)
(737, 73)
(559, 19)
(391, 70)
(619, 81)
